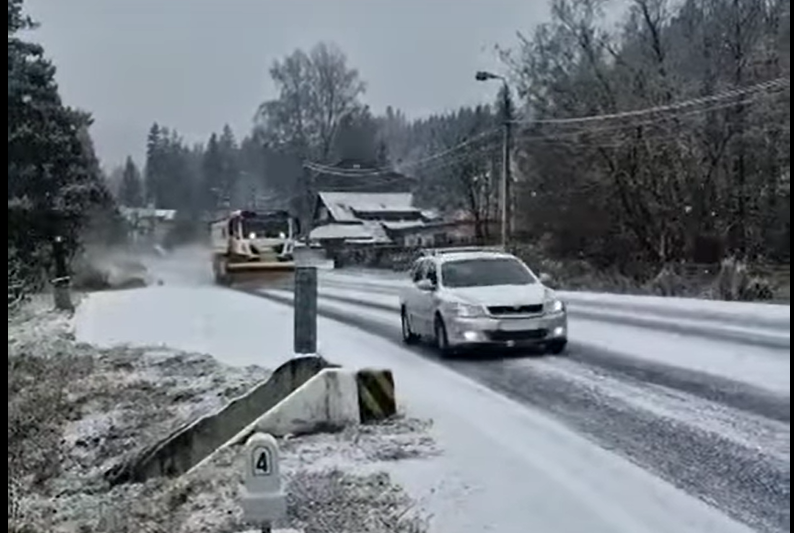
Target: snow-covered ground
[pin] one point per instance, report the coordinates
(76, 410)
(520, 452)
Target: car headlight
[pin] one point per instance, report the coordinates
(466, 310)
(552, 304)
(555, 306)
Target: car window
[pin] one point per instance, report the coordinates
(418, 271)
(432, 273)
(486, 272)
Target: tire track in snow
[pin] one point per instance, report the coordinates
(388, 280)
(639, 317)
(748, 483)
(707, 386)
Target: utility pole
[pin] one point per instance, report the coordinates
(507, 210)
(62, 280)
(505, 189)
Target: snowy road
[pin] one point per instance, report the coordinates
(702, 411)
(635, 431)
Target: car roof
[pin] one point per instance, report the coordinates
(469, 255)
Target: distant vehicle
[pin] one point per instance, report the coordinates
(462, 298)
(250, 247)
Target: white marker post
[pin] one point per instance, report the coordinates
(263, 498)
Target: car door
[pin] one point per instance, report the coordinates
(425, 300)
(411, 293)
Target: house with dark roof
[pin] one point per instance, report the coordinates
(367, 218)
(147, 224)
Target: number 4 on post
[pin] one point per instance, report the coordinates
(262, 462)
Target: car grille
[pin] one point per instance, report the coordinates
(527, 335)
(501, 310)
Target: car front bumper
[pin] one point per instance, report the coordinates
(507, 332)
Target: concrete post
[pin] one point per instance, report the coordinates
(62, 281)
(305, 339)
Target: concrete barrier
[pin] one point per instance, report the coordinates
(189, 445)
(376, 395)
(327, 402)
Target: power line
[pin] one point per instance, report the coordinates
(648, 122)
(773, 84)
(385, 171)
(437, 164)
(433, 161)
(779, 83)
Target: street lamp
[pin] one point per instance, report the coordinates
(505, 188)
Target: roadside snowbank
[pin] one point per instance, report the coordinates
(75, 410)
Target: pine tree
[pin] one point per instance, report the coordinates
(153, 171)
(54, 181)
(230, 168)
(131, 190)
(212, 175)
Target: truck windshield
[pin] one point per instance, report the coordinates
(485, 273)
(265, 228)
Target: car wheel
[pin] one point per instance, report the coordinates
(441, 338)
(408, 336)
(557, 347)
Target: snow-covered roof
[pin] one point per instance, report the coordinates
(344, 205)
(367, 231)
(430, 214)
(145, 212)
(408, 224)
(340, 231)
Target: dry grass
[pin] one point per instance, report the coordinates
(75, 411)
(334, 501)
(732, 280)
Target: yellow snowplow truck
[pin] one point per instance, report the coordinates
(253, 249)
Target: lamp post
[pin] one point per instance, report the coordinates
(506, 148)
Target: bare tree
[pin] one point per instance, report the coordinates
(316, 91)
(656, 189)
(467, 179)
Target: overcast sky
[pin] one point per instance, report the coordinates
(197, 64)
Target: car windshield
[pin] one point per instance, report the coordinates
(265, 228)
(485, 273)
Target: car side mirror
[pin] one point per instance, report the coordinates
(545, 278)
(426, 285)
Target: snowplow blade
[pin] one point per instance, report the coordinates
(265, 275)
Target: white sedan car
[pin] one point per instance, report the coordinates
(463, 298)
